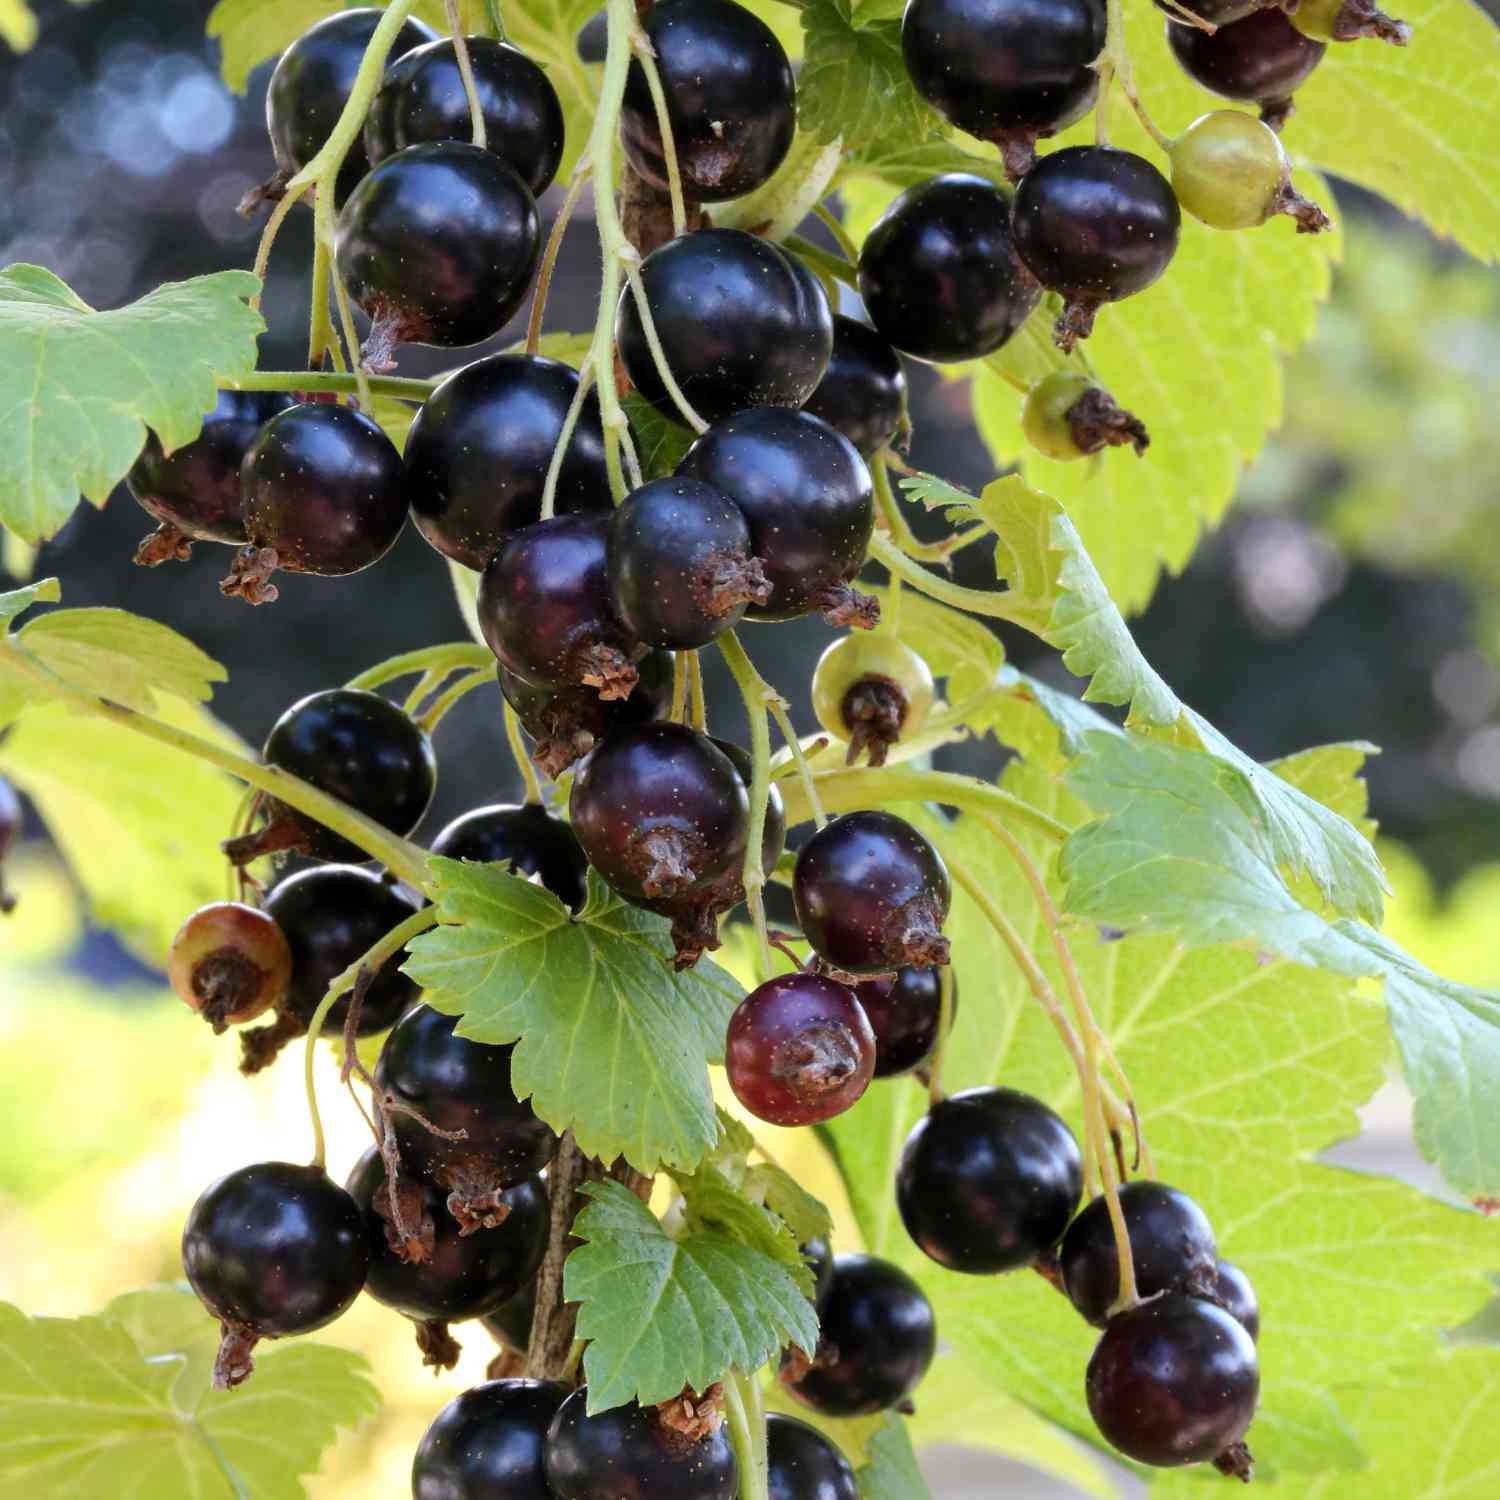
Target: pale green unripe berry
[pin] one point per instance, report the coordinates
(871, 691)
(1348, 21)
(1228, 170)
(1044, 415)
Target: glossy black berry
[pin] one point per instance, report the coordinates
(1173, 1381)
(271, 1250)
(799, 1050)
(547, 611)
(10, 836)
(773, 841)
(566, 723)
(1233, 1291)
(229, 963)
(528, 838)
(194, 493)
(863, 393)
(422, 99)
(510, 1323)
(938, 274)
(659, 810)
(878, 1336)
(905, 1010)
(731, 99)
(478, 453)
(321, 491)
(1171, 1243)
(628, 1454)
(1262, 58)
(680, 564)
(438, 245)
(742, 323)
(988, 1180)
(429, 1075)
(872, 895)
(312, 83)
(805, 1465)
(1096, 225)
(1008, 71)
(808, 499)
(488, 1443)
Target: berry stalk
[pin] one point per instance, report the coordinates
(440, 659)
(333, 382)
(645, 55)
(747, 1431)
(457, 30)
(521, 758)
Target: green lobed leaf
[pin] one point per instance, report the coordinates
(803, 1214)
(712, 1202)
(890, 1469)
(612, 1043)
(18, 601)
(80, 387)
(853, 81)
(662, 1313)
(659, 442)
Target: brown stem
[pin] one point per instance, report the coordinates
(552, 1323)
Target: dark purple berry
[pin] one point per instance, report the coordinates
(1262, 59)
(510, 1323)
(905, 1010)
(863, 393)
(529, 839)
(805, 1465)
(1232, 1290)
(489, 1443)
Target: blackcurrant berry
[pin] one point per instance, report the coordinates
(628, 1453)
(905, 1010)
(938, 273)
(1171, 1243)
(872, 895)
(488, 1443)
(878, 1336)
(1008, 71)
(863, 393)
(680, 564)
(566, 723)
(804, 1465)
(1066, 416)
(449, 1103)
(477, 454)
(10, 835)
(1348, 21)
(311, 85)
(809, 501)
(659, 810)
(871, 691)
(438, 245)
(1216, 12)
(799, 1050)
(1173, 1381)
(321, 491)
(426, 1266)
(510, 1323)
(731, 99)
(529, 839)
(1230, 171)
(547, 611)
(773, 841)
(422, 98)
(1262, 58)
(742, 323)
(230, 963)
(988, 1180)
(194, 493)
(1095, 225)
(271, 1250)
(1232, 1290)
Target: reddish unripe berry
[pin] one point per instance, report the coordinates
(230, 963)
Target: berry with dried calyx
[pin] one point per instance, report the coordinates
(871, 691)
(230, 963)
(1348, 21)
(1068, 416)
(1230, 170)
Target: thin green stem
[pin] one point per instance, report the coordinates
(466, 72)
(521, 758)
(448, 658)
(757, 695)
(945, 1025)
(335, 382)
(900, 528)
(268, 239)
(821, 260)
(795, 189)
(678, 714)
(830, 222)
(320, 335)
(653, 342)
(646, 56)
(445, 701)
(794, 745)
(695, 690)
(565, 437)
(323, 228)
(427, 684)
(550, 254)
(1115, 66)
(747, 1432)
(977, 601)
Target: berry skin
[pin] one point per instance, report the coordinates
(1232, 1290)
(870, 690)
(510, 1323)
(271, 1250)
(194, 494)
(428, 1073)
(627, 1454)
(800, 1050)
(731, 100)
(1348, 21)
(422, 99)
(872, 895)
(321, 491)
(230, 963)
(1008, 71)
(478, 452)
(1171, 1242)
(488, 1443)
(804, 1465)
(742, 323)
(988, 1180)
(774, 839)
(680, 566)
(809, 501)
(1230, 171)
(1096, 225)
(660, 810)
(10, 834)
(1066, 417)
(938, 273)
(547, 612)
(1173, 1382)
(529, 839)
(878, 1336)
(863, 394)
(905, 1009)
(1262, 58)
(438, 245)
(312, 83)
